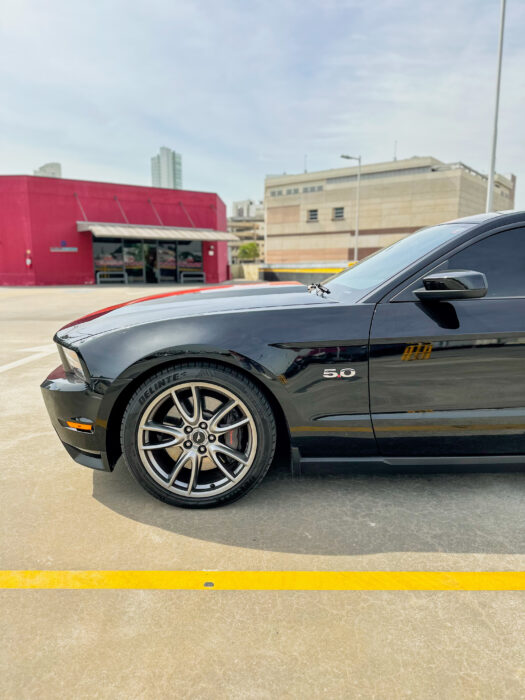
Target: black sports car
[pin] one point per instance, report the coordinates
(414, 355)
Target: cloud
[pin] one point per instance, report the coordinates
(243, 89)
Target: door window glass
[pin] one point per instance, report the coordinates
(501, 257)
(150, 262)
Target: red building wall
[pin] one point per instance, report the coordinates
(39, 213)
(15, 232)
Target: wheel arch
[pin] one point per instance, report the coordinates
(114, 421)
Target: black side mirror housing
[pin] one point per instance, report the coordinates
(453, 284)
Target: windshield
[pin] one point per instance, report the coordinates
(388, 262)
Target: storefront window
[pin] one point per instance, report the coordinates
(150, 262)
(189, 255)
(134, 261)
(167, 262)
(107, 255)
(144, 261)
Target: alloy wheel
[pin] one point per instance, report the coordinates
(197, 439)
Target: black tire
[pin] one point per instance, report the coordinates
(157, 388)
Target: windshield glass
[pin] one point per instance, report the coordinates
(388, 262)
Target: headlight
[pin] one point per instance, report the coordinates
(72, 362)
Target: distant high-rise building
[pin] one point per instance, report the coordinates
(166, 169)
(247, 208)
(247, 223)
(49, 170)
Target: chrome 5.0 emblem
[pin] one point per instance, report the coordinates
(339, 374)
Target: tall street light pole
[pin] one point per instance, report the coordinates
(356, 238)
(490, 184)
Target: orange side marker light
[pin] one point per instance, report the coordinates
(79, 426)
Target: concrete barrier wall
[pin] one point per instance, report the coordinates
(306, 275)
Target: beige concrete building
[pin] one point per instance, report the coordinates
(311, 217)
(246, 222)
(49, 170)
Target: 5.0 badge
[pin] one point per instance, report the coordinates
(341, 374)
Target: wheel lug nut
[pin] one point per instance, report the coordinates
(187, 444)
(202, 449)
(203, 425)
(211, 438)
(187, 429)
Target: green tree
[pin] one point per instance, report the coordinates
(248, 251)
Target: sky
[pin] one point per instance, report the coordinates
(246, 88)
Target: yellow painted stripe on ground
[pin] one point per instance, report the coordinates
(306, 269)
(268, 580)
(303, 269)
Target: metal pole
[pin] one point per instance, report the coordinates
(356, 241)
(265, 230)
(490, 184)
(356, 238)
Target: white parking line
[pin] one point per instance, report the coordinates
(42, 351)
(47, 348)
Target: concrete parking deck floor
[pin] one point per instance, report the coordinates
(241, 644)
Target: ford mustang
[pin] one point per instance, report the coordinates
(415, 355)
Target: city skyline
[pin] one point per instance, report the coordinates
(318, 79)
(166, 169)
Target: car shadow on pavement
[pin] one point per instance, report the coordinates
(346, 515)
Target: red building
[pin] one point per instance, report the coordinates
(56, 231)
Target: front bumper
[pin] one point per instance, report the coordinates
(69, 399)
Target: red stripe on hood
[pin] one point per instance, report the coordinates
(96, 314)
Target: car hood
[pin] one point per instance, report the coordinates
(205, 301)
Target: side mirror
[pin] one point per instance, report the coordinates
(453, 284)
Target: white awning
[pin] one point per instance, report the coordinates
(162, 233)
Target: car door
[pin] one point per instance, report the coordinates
(448, 378)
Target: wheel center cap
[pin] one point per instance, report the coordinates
(199, 437)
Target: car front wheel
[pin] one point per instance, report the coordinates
(198, 435)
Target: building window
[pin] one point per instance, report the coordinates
(289, 191)
(167, 262)
(296, 190)
(313, 188)
(189, 255)
(339, 213)
(313, 215)
(145, 261)
(134, 261)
